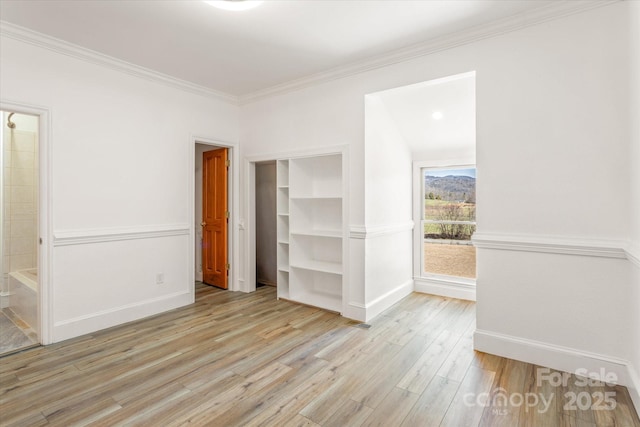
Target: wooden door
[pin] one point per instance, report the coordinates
(215, 267)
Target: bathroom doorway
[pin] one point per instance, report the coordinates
(19, 252)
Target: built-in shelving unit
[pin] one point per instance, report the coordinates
(311, 230)
(282, 203)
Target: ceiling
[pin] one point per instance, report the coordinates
(240, 53)
(411, 109)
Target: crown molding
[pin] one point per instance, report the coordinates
(519, 21)
(56, 45)
(542, 14)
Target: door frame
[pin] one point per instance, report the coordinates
(233, 205)
(45, 207)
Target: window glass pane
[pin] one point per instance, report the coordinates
(458, 232)
(450, 194)
(450, 214)
(450, 259)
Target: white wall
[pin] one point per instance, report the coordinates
(120, 184)
(387, 189)
(551, 154)
(552, 161)
(634, 195)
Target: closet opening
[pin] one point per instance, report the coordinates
(296, 233)
(267, 245)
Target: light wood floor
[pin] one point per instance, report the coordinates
(237, 359)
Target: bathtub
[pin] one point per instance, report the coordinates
(23, 299)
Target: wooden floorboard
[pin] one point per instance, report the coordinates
(235, 359)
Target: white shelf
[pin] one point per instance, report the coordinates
(318, 233)
(310, 230)
(282, 223)
(283, 173)
(322, 266)
(317, 176)
(316, 214)
(328, 302)
(283, 284)
(316, 288)
(318, 197)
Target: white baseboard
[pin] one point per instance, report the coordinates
(385, 301)
(81, 325)
(553, 356)
(634, 388)
(355, 311)
(445, 288)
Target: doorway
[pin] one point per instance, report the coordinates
(212, 214)
(19, 232)
(426, 134)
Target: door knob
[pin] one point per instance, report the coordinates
(203, 224)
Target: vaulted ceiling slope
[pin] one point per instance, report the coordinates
(279, 45)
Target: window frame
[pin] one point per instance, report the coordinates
(420, 221)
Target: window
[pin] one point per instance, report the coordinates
(449, 221)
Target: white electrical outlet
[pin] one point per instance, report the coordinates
(159, 278)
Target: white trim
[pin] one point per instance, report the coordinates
(502, 26)
(553, 245)
(383, 302)
(250, 225)
(294, 154)
(549, 355)
(82, 237)
(496, 28)
(634, 387)
(369, 232)
(633, 254)
(45, 209)
(355, 311)
(56, 45)
(446, 287)
(77, 326)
